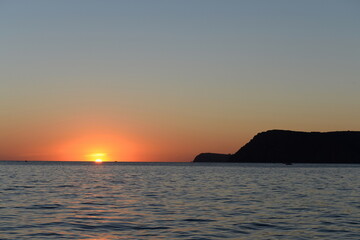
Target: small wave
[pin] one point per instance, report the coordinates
(117, 182)
(332, 230)
(114, 227)
(46, 234)
(20, 187)
(26, 186)
(198, 220)
(45, 206)
(65, 186)
(255, 226)
(94, 203)
(263, 225)
(149, 228)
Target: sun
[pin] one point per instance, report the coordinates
(98, 160)
(97, 157)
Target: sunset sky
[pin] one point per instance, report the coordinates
(165, 80)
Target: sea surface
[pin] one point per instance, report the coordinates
(54, 200)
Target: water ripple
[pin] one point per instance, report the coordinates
(179, 201)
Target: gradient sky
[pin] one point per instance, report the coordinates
(166, 80)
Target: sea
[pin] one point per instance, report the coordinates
(202, 201)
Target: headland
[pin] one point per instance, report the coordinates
(285, 146)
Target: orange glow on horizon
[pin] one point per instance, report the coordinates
(105, 147)
(97, 157)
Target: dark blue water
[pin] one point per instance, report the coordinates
(178, 201)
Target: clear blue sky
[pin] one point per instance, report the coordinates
(179, 77)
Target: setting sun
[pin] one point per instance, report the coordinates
(97, 157)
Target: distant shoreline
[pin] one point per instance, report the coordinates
(289, 147)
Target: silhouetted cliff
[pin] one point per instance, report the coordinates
(282, 146)
(212, 157)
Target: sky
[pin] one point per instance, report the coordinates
(166, 80)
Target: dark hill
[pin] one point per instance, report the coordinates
(213, 157)
(282, 146)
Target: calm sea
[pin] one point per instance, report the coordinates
(56, 200)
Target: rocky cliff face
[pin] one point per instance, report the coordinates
(282, 146)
